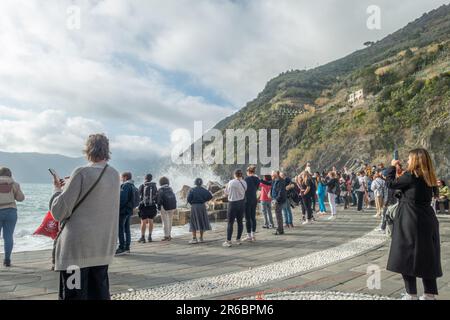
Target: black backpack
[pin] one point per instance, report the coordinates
(169, 199)
(149, 194)
(136, 198)
(356, 184)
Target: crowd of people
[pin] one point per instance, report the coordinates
(90, 229)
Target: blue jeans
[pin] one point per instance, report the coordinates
(354, 199)
(287, 213)
(266, 208)
(8, 219)
(124, 232)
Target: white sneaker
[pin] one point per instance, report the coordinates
(427, 297)
(306, 222)
(193, 241)
(331, 218)
(249, 238)
(200, 240)
(407, 296)
(227, 244)
(238, 242)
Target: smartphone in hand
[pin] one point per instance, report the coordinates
(56, 177)
(54, 174)
(396, 154)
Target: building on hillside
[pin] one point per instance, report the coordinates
(351, 98)
(356, 96)
(359, 95)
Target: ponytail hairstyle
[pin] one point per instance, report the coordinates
(238, 173)
(251, 169)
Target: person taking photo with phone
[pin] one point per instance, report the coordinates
(415, 248)
(88, 211)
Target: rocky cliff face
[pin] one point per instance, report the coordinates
(405, 80)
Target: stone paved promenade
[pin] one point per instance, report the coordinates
(326, 256)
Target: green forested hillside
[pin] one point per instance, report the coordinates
(406, 82)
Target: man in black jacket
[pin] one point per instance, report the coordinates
(127, 190)
(278, 193)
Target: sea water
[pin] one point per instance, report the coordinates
(31, 212)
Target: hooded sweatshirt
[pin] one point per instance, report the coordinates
(10, 192)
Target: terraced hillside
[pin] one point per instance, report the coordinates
(405, 102)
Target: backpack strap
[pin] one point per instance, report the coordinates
(89, 191)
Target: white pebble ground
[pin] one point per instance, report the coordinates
(316, 295)
(194, 289)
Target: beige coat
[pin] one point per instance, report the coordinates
(10, 192)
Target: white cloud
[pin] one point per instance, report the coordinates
(53, 131)
(49, 131)
(138, 146)
(122, 70)
(45, 65)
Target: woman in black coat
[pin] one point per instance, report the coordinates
(415, 247)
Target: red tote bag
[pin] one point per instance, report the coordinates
(49, 227)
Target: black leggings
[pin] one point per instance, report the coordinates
(250, 216)
(236, 211)
(307, 201)
(429, 285)
(360, 199)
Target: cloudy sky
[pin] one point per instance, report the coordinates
(140, 69)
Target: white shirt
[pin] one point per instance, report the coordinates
(236, 190)
(362, 184)
(378, 187)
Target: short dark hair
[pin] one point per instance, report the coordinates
(148, 177)
(198, 182)
(127, 175)
(163, 181)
